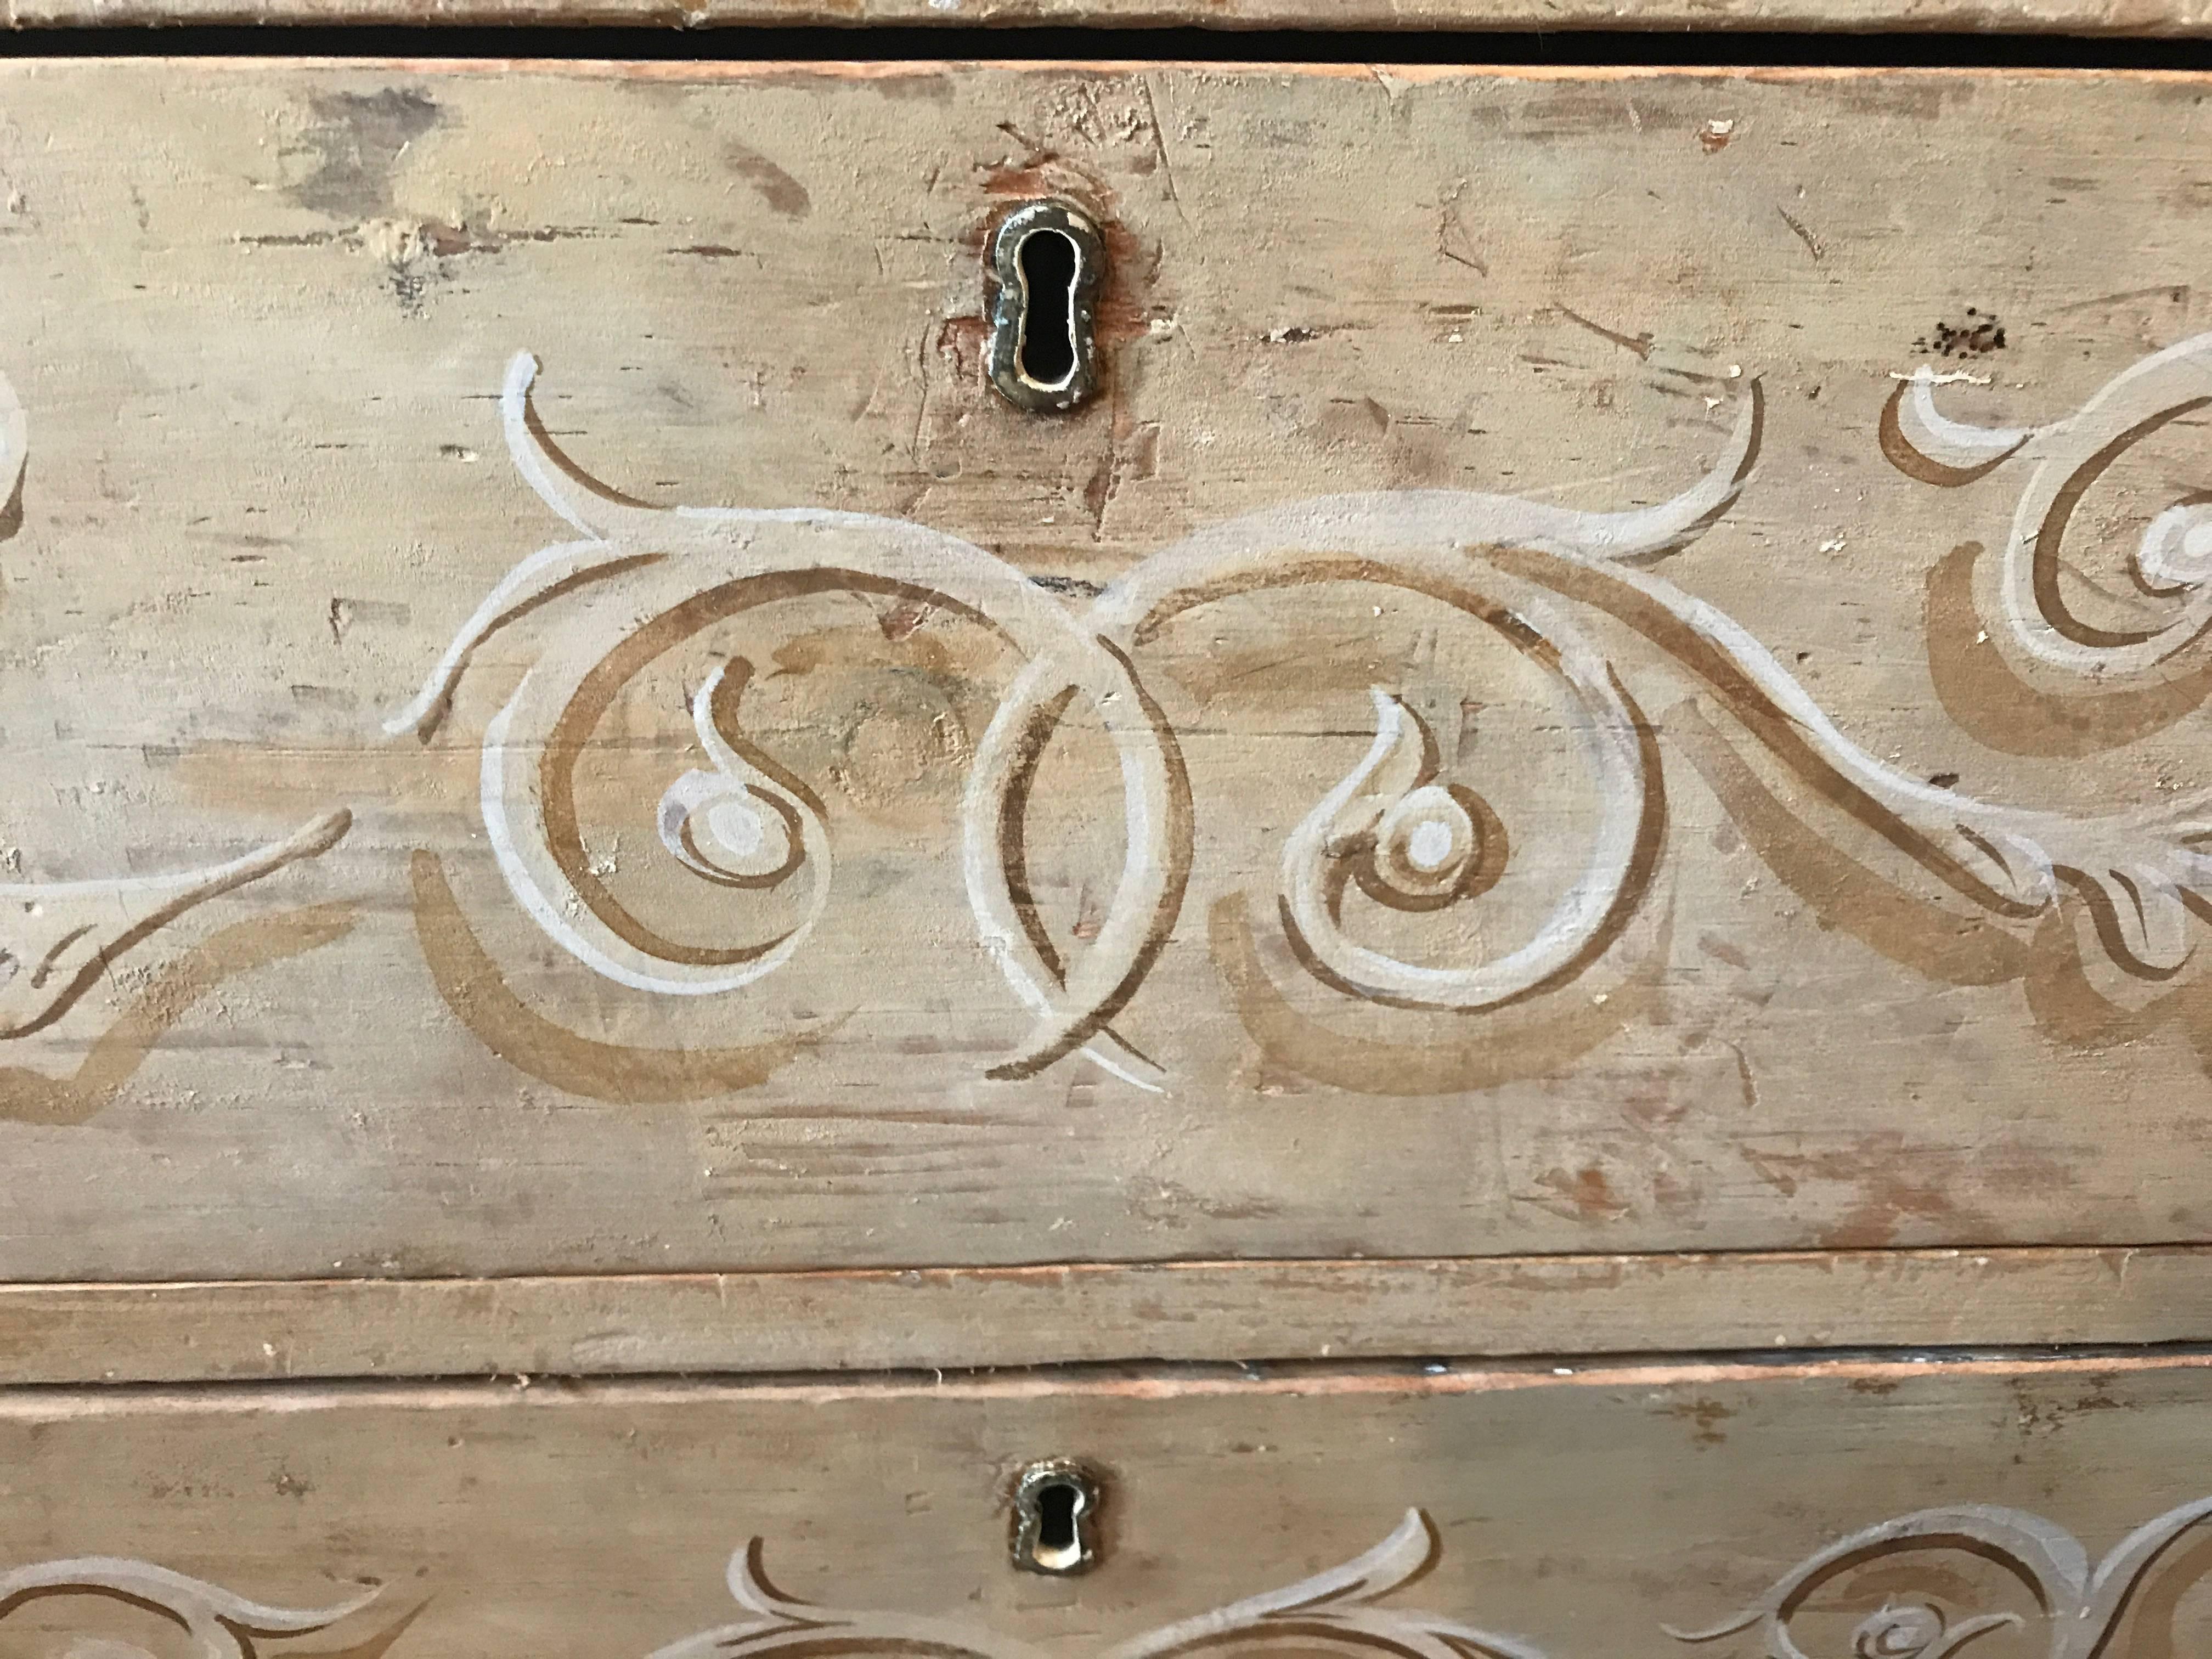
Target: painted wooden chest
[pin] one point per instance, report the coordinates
(936, 859)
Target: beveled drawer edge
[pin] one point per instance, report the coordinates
(894, 1319)
(1867, 1374)
(924, 72)
(2180, 18)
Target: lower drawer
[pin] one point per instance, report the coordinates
(1880, 1508)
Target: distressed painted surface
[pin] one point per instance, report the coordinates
(2043, 1511)
(271, 328)
(896, 1319)
(2150, 18)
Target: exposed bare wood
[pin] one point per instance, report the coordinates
(1102, 1312)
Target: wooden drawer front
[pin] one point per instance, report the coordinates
(1832, 880)
(1877, 1508)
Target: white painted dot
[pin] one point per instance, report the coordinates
(1429, 845)
(736, 826)
(2197, 544)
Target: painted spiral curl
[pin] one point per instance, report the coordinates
(645, 581)
(2171, 561)
(2080, 1606)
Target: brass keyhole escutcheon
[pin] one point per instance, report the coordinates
(1056, 1506)
(1048, 261)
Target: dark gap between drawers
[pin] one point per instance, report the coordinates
(1719, 47)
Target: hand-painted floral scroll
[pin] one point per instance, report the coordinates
(1401, 828)
(59, 938)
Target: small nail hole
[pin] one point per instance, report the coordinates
(1047, 260)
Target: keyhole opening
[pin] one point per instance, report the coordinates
(1049, 264)
(1057, 1505)
(1056, 1518)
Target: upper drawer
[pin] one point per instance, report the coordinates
(1614, 663)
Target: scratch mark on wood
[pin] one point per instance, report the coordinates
(1638, 344)
(1812, 243)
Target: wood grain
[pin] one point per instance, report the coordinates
(1568, 1515)
(858, 1321)
(2095, 17)
(1743, 983)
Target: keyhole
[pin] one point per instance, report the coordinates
(1055, 1509)
(1057, 1505)
(1049, 264)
